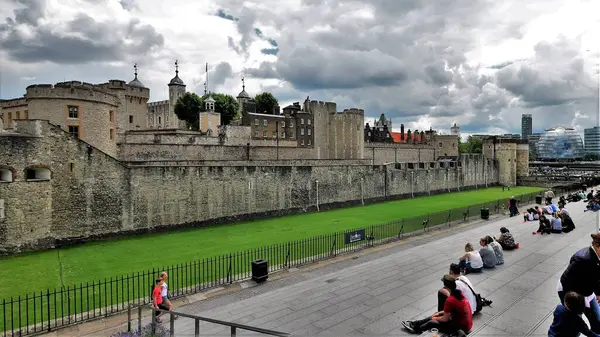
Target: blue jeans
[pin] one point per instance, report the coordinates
(592, 313)
(467, 267)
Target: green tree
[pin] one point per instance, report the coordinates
(226, 105)
(187, 108)
(265, 103)
(472, 145)
(189, 105)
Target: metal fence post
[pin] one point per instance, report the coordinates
(140, 318)
(129, 318)
(48, 307)
(229, 278)
(172, 325)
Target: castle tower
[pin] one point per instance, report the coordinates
(242, 97)
(523, 159)
(209, 120)
(176, 90)
(455, 130)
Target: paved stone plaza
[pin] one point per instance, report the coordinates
(371, 293)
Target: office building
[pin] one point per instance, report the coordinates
(526, 126)
(591, 139)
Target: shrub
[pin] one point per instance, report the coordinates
(146, 331)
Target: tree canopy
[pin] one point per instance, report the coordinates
(187, 108)
(472, 145)
(226, 105)
(265, 103)
(190, 104)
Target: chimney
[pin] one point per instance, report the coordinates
(401, 132)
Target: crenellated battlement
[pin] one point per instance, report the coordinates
(121, 86)
(157, 103)
(15, 102)
(72, 90)
(330, 107)
(353, 111)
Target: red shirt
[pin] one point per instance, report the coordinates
(461, 313)
(157, 299)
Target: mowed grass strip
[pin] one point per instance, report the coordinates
(103, 259)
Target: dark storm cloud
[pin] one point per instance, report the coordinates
(337, 69)
(220, 74)
(265, 70)
(83, 40)
(539, 83)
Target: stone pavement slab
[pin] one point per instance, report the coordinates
(372, 294)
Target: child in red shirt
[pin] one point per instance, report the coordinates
(157, 301)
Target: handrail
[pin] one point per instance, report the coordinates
(197, 319)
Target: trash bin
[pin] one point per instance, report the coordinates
(485, 213)
(260, 271)
(538, 199)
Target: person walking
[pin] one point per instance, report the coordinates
(157, 300)
(165, 292)
(583, 277)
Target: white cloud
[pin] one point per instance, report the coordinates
(424, 63)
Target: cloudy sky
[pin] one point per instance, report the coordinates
(425, 63)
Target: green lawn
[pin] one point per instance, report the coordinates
(99, 260)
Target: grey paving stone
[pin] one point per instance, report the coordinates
(374, 293)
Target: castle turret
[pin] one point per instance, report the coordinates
(176, 90)
(242, 97)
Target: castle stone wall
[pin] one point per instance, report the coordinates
(87, 194)
(380, 153)
(92, 195)
(522, 160)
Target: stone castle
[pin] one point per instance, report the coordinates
(80, 161)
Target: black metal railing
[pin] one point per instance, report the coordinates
(197, 319)
(54, 308)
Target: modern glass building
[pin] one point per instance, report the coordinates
(591, 138)
(560, 143)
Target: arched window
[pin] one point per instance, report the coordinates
(7, 174)
(37, 173)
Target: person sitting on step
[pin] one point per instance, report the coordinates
(463, 284)
(506, 239)
(471, 262)
(556, 224)
(567, 222)
(487, 254)
(497, 249)
(545, 226)
(530, 215)
(456, 317)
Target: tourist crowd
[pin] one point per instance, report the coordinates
(578, 288)
(457, 300)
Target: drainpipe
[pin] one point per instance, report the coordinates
(428, 186)
(476, 187)
(362, 190)
(412, 184)
(317, 183)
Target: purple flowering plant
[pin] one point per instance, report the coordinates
(159, 331)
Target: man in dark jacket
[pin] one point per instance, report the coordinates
(583, 276)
